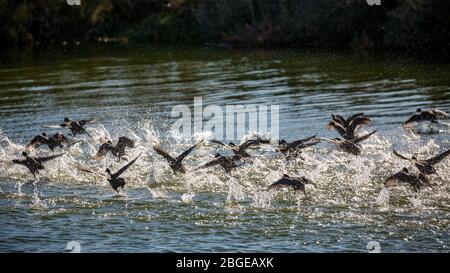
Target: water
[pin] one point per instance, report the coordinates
(132, 91)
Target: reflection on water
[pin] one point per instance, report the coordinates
(132, 91)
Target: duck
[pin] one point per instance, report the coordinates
(350, 146)
(404, 176)
(432, 115)
(347, 127)
(34, 164)
(56, 140)
(241, 149)
(76, 127)
(176, 163)
(226, 162)
(114, 179)
(293, 149)
(296, 183)
(118, 150)
(425, 166)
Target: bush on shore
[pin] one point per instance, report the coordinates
(415, 26)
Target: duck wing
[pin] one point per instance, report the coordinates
(438, 158)
(302, 141)
(103, 150)
(47, 158)
(364, 137)
(401, 156)
(339, 119)
(54, 126)
(309, 144)
(353, 117)
(413, 119)
(440, 114)
(166, 155)
(36, 142)
(85, 169)
(125, 142)
(188, 151)
(210, 164)
(87, 121)
(358, 122)
(282, 182)
(124, 168)
(397, 177)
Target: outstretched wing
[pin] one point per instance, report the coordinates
(60, 138)
(308, 144)
(87, 121)
(401, 156)
(353, 117)
(47, 158)
(103, 150)
(163, 153)
(339, 119)
(251, 142)
(357, 122)
(54, 126)
(124, 168)
(302, 141)
(362, 138)
(209, 164)
(438, 158)
(340, 128)
(440, 113)
(413, 119)
(221, 143)
(188, 151)
(334, 141)
(393, 179)
(125, 142)
(85, 169)
(36, 142)
(280, 183)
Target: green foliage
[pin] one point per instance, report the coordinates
(416, 26)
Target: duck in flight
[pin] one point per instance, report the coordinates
(425, 166)
(52, 142)
(76, 127)
(114, 179)
(227, 162)
(350, 146)
(404, 176)
(34, 164)
(432, 115)
(241, 149)
(176, 163)
(347, 127)
(294, 148)
(117, 151)
(297, 183)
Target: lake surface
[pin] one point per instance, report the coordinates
(131, 91)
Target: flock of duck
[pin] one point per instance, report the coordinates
(346, 127)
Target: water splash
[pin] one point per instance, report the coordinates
(262, 199)
(37, 202)
(187, 197)
(383, 198)
(236, 192)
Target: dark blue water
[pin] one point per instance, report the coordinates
(132, 92)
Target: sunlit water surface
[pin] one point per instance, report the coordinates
(132, 91)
